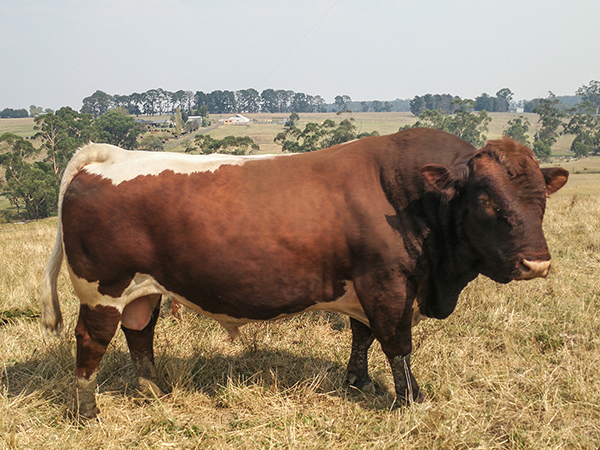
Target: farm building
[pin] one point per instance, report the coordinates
(238, 119)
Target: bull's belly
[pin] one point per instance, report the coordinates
(145, 285)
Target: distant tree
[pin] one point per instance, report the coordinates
(318, 103)
(529, 105)
(346, 131)
(118, 129)
(97, 104)
(377, 106)
(221, 102)
(584, 123)
(9, 113)
(31, 188)
(203, 112)
(248, 100)
(504, 96)
(484, 102)
(301, 103)
(517, 129)
(35, 111)
(591, 93)
(270, 101)
(550, 120)
(316, 136)
(151, 142)
(341, 102)
(444, 103)
(292, 120)
(463, 123)
(177, 119)
(235, 145)
(542, 150)
(62, 133)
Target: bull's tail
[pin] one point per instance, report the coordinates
(51, 316)
(51, 319)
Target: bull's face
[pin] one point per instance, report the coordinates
(501, 198)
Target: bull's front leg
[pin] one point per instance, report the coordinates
(358, 373)
(388, 303)
(95, 328)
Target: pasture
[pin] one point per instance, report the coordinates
(515, 366)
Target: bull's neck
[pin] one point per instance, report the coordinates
(433, 238)
(446, 265)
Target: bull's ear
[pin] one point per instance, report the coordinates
(555, 177)
(441, 179)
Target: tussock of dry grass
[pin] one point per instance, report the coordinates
(515, 366)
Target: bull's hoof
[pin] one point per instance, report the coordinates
(402, 401)
(363, 384)
(83, 414)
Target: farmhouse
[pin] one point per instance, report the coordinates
(238, 119)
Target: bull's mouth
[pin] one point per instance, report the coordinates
(524, 270)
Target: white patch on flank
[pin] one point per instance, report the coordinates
(120, 165)
(143, 285)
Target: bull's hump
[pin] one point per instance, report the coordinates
(119, 165)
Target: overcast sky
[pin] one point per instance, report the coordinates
(54, 53)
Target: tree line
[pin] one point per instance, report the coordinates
(33, 187)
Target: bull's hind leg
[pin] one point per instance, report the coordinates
(141, 346)
(95, 328)
(358, 373)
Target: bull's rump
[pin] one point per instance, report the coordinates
(256, 241)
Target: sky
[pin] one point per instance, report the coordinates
(55, 53)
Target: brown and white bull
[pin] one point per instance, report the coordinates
(384, 229)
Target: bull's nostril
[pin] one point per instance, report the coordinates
(533, 269)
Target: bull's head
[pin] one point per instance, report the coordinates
(499, 199)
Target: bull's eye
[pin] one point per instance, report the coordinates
(488, 206)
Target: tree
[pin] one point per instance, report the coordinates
(463, 123)
(248, 100)
(591, 93)
(505, 96)
(550, 118)
(35, 111)
(9, 113)
(301, 103)
(116, 128)
(341, 102)
(178, 122)
(270, 101)
(62, 133)
(292, 120)
(316, 136)
(584, 123)
(97, 104)
(235, 145)
(484, 102)
(151, 142)
(517, 130)
(32, 188)
(444, 103)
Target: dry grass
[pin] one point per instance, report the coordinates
(515, 366)
(22, 127)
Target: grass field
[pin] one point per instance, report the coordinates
(515, 366)
(22, 127)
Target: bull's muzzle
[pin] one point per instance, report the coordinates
(532, 269)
